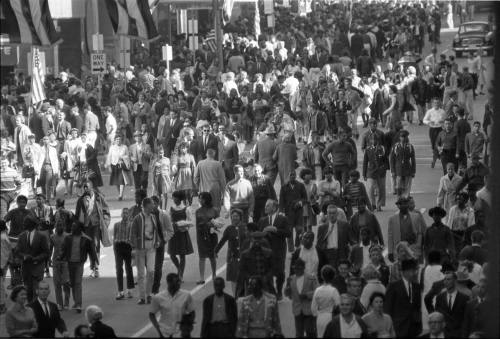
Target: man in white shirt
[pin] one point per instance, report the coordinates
(346, 324)
(111, 126)
(434, 118)
(176, 308)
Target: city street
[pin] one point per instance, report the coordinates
(131, 320)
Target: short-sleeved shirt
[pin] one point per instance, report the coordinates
(171, 309)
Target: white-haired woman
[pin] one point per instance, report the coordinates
(404, 253)
(94, 315)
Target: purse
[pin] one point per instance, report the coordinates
(28, 172)
(315, 208)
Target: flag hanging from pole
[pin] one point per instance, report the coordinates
(37, 90)
(257, 20)
(132, 18)
(210, 40)
(227, 10)
(28, 22)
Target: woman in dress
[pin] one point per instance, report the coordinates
(460, 218)
(392, 115)
(325, 299)
(183, 167)
(448, 185)
(285, 156)
(373, 285)
(119, 161)
(430, 274)
(205, 234)
(379, 324)
(235, 236)
(312, 194)
(20, 320)
(31, 153)
(180, 243)
(404, 253)
(141, 112)
(162, 185)
(147, 135)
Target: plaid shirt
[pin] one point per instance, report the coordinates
(121, 232)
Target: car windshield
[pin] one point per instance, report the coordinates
(473, 28)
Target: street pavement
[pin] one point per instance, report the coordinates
(131, 320)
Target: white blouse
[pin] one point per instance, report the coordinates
(117, 153)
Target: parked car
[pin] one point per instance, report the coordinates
(473, 35)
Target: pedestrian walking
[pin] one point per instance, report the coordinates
(209, 177)
(206, 236)
(123, 255)
(220, 314)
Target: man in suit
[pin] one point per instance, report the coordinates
(300, 289)
(229, 156)
(62, 129)
(47, 314)
(436, 326)
(474, 252)
(451, 304)
(437, 287)
(405, 226)
(38, 123)
(354, 289)
(277, 230)
(264, 150)
(333, 239)
(475, 312)
(346, 324)
(403, 301)
(219, 313)
(169, 131)
(293, 196)
(201, 144)
(33, 248)
(140, 155)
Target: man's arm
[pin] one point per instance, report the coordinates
(156, 325)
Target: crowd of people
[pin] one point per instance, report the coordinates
(200, 145)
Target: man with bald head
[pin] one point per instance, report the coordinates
(436, 326)
(333, 239)
(47, 314)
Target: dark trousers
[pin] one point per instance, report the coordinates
(219, 330)
(447, 156)
(140, 178)
(331, 256)
(280, 281)
(433, 134)
(123, 255)
(94, 233)
(31, 283)
(160, 254)
(462, 159)
(341, 173)
(305, 326)
(75, 270)
(259, 209)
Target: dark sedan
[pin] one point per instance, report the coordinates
(472, 36)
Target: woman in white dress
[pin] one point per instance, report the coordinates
(325, 298)
(430, 274)
(118, 160)
(70, 158)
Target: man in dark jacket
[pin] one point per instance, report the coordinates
(219, 324)
(365, 64)
(334, 329)
(264, 151)
(33, 249)
(93, 314)
(403, 302)
(293, 196)
(47, 314)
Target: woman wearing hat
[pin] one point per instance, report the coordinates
(118, 160)
(236, 237)
(438, 236)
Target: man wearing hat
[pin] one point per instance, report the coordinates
(140, 155)
(264, 150)
(373, 131)
(403, 301)
(48, 167)
(38, 123)
(405, 226)
(402, 163)
(438, 237)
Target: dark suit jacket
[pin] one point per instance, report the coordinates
(76, 122)
(474, 317)
(436, 288)
(333, 328)
(231, 313)
(64, 129)
(343, 242)
(86, 249)
(371, 223)
(453, 318)
(200, 152)
(39, 251)
(405, 313)
(35, 125)
(277, 240)
(264, 150)
(229, 157)
(102, 331)
(47, 325)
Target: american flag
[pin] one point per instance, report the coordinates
(210, 40)
(37, 90)
(257, 20)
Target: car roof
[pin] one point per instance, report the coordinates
(474, 23)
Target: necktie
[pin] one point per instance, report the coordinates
(449, 302)
(46, 309)
(270, 220)
(409, 292)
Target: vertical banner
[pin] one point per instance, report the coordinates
(37, 89)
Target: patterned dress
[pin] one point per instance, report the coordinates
(180, 243)
(185, 168)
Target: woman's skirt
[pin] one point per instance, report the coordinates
(117, 177)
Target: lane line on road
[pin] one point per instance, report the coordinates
(192, 292)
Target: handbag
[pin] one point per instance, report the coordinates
(28, 172)
(315, 208)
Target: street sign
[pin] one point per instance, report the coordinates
(98, 63)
